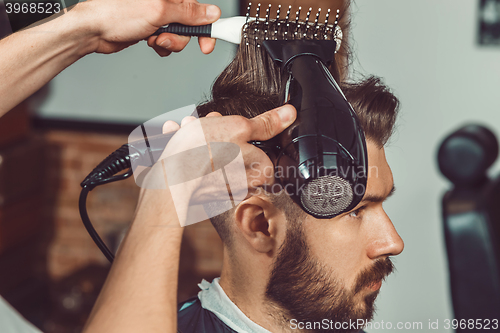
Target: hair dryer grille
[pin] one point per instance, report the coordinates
(326, 196)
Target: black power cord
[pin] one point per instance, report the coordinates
(104, 173)
(90, 228)
(145, 152)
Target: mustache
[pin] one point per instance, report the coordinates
(379, 271)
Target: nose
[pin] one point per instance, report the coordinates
(384, 240)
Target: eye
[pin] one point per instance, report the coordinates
(356, 213)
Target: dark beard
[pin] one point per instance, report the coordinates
(306, 291)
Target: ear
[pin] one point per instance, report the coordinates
(260, 223)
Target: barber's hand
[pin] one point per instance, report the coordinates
(193, 169)
(237, 130)
(117, 24)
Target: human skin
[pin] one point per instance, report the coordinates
(345, 246)
(140, 293)
(32, 57)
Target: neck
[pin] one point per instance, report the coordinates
(245, 286)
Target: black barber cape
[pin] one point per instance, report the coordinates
(195, 319)
(192, 318)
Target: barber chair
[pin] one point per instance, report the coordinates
(471, 220)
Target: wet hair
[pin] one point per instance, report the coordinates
(251, 85)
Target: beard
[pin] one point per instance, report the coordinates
(304, 290)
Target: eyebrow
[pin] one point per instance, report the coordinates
(378, 198)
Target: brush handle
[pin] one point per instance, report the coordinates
(228, 29)
(186, 30)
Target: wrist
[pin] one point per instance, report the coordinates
(83, 28)
(156, 208)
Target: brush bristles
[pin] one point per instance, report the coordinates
(260, 29)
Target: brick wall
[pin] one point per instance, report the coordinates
(71, 156)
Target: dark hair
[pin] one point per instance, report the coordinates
(251, 85)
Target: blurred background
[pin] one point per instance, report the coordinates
(430, 53)
(441, 58)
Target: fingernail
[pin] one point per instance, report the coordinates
(166, 43)
(212, 12)
(285, 113)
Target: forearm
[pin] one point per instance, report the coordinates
(140, 294)
(32, 57)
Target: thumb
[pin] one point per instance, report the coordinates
(269, 124)
(191, 13)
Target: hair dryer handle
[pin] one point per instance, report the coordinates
(270, 147)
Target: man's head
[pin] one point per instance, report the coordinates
(310, 269)
(332, 269)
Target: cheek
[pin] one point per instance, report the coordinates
(338, 246)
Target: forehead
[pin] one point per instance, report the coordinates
(380, 180)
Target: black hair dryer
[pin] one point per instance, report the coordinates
(321, 159)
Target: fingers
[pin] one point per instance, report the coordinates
(191, 13)
(161, 51)
(271, 123)
(169, 42)
(259, 167)
(158, 49)
(207, 45)
(187, 120)
(170, 126)
(166, 43)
